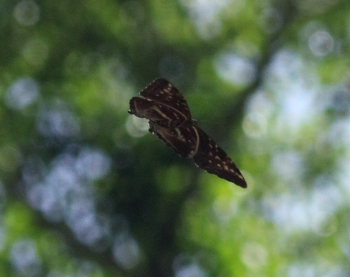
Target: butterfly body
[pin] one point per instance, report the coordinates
(170, 119)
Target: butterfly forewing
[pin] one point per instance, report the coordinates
(213, 159)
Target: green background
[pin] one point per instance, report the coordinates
(85, 190)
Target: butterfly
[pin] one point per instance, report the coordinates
(171, 120)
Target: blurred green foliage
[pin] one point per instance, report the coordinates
(85, 190)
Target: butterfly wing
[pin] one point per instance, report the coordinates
(189, 141)
(183, 140)
(146, 108)
(213, 159)
(170, 119)
(161, 103)
(163, 92)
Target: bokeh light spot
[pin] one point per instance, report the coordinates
(289, 164)
(205, 14)
(190, 270)
(58, 121)
(22, 93)
(24, 258)
(92, 164)
(126, 251)
(254, 255)
(321, 43)
(136, 127)
(235, 69)
(27, 13)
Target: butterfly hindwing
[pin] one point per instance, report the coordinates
(213, 159)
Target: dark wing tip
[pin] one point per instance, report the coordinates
(242, 184)
(155, 85)
(160, 79)
(238, 179)
(235, 178)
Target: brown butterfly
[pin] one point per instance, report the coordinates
(170, 119)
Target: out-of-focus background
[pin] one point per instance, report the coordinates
(86, 191)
